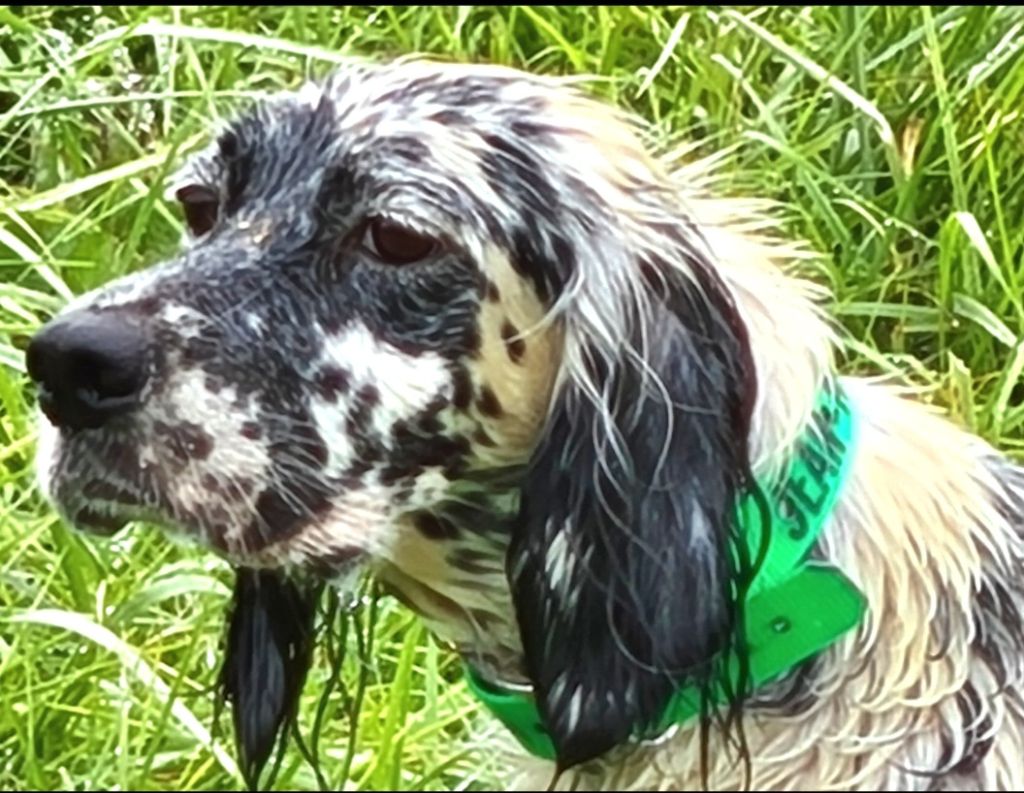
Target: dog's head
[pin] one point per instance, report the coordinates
(427, 307)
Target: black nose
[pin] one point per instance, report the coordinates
(89, 368)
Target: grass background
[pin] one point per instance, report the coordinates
(893, 135)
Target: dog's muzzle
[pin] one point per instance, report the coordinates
(89, 368)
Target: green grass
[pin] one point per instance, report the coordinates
(893, 135)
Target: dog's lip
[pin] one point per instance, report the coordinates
(95, 521)
(104, 516)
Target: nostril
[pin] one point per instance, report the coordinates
(90, 367)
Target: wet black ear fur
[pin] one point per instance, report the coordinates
(623, 561)
(270, 640)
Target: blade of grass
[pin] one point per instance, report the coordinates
(134, 664)
(859, 102)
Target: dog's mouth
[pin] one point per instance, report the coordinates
(100, 493)
(94, 520)
(100, 481)
(95, 492)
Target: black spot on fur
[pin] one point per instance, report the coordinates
(213, 485)
(565, 259)
(455, 469)
(199, 350)
(429, 451)
(516, 347)
(435, 405)
(239, 166)
(367, 446)
(251, 430)
(515, 174)
(357, 469)
(429, 425)
(218, 534)
(527, 260)
(435, 528)
(978, 733)
(451, 118)
(227, 145)
(397, 471)
(462, 388)
(186, 441)
(481, 438)
(357, 422)
(531, 129)
(470, 560)
(409, 149)
(124, 459)
(218, 513)
(305, 445)
(279, 517)
(332, 381)
(401, 432)
(332, 326)
(488, 403)
(369, 394)
(482, 512)
(147, 306)
(275, 513)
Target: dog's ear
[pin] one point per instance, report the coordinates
(623, 562)
(268, 653)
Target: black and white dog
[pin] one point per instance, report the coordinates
(452, 325)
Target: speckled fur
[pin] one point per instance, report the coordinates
(311, 409)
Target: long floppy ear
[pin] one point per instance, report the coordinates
(624, 558)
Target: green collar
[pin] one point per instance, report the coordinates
(795, 607)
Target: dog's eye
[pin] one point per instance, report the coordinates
(200, 205)
(395, 244)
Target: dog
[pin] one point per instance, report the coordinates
(453, 326)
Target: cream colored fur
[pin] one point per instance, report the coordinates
(918, 532)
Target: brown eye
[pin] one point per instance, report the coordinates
(395, 244)
(200, 205)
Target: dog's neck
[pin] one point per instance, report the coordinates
(460, 587)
